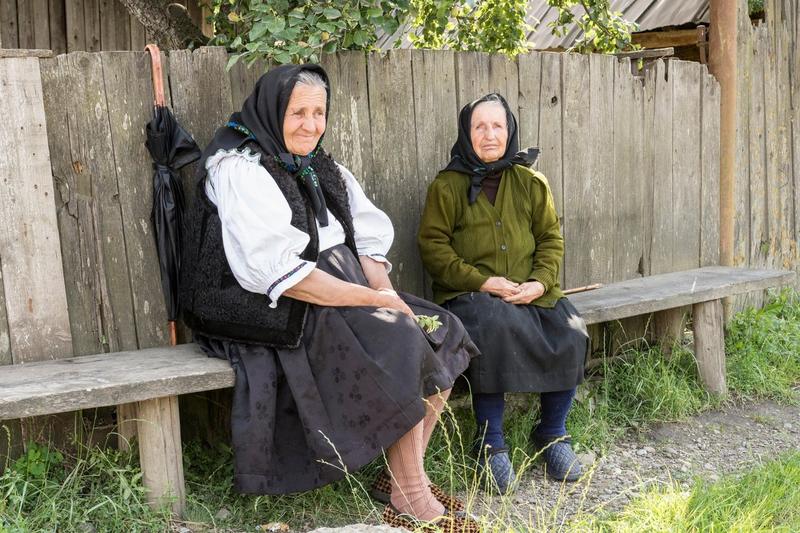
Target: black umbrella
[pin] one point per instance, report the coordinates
(171, 148)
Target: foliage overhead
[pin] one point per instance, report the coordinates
(286, 31)
(603, 30)
(496, 26)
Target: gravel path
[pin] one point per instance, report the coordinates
(708, 445)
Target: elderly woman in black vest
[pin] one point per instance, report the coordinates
(285, 275)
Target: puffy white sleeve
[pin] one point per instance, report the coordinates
(262, 247)
(373, 228)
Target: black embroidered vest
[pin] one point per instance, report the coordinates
(212, 301)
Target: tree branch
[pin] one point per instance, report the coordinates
(166, 23)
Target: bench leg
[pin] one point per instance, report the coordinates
(668, 328)
(709, 344)
(160, 451)
(126, 425)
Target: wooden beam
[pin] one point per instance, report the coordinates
(109, 379)
(647, 54)
(160, 453)
(666, 291)
(24, 52)
(709, 345)
(661, 39)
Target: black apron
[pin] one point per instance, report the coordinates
(524, 348)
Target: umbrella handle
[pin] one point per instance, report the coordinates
(158, 77)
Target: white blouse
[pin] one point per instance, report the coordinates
(262, 247)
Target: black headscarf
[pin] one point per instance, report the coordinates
(465, 160)
(261, 120)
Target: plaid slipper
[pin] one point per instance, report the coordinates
(381, 491)
(453, 523)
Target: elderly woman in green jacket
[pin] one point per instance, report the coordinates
(490, 239)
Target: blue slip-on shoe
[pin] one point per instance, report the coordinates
(560, 461)
(496, 463)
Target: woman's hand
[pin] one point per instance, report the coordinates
(528, 292)
(389, 299)
(500, 286)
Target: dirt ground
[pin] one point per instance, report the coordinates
(709, 445)
(714, 443)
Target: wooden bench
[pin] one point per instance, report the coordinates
(153, 378)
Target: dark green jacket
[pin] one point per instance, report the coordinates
(518, 237)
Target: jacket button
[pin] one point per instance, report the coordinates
(503, 247)
(498, 223)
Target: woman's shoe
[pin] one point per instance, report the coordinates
(381, 491)
(459, 522)
(495, 463)
(560, 461)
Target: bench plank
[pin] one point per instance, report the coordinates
(666, 291)
(109, 379)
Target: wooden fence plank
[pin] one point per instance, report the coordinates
(394, 180)
(74, 211)
(627, 181)
(35, 297)
(759, 238)
(58, 27)
(122, 27)
(243, 80)
(9, 30)
(686, 131)
(504, 79)
(530, 85)
(201, 97)
(786, 244)
(138, 40)
(349, 138)
(91, 20)
(741, 246)
(550, 134)
(600, 257)
(472, 73)
(661, 248)
(108, 30)
(577, 171)
(435, 114)
(76, 27)
(90, 216)
(40, 10)
(709, 182)
(26, 24)
(130, 106)
(648, 150)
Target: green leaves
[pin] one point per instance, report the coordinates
(428, 323)
(284, 31)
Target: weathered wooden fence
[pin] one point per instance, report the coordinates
(767, 187)
(633, 164)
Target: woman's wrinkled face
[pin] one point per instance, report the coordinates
(489, 131)
(304, 122)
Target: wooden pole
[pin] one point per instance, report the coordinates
(723, 65)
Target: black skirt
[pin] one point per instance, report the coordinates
(524, 348)
(304, 417)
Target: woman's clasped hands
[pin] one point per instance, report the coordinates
(512, 292)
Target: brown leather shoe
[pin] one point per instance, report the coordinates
(381, 491)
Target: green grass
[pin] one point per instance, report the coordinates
(764, 498)
(45, 490)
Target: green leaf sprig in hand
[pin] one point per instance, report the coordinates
(428, 323)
